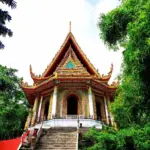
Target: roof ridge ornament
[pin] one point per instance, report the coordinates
(69, 26)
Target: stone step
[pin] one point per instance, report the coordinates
(63, 133)
(60, 133)
(57, 141)
(60, 147)
(61, 136)
(55, 148)
(55, 130)
(57, 144)
(57, 137)
(23, 148)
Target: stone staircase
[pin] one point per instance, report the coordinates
(58, 139)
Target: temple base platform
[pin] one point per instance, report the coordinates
(53, 123)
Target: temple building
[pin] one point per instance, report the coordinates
(70, 89)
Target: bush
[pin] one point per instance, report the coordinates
(133, 138)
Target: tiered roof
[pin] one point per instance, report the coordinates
(70, 63)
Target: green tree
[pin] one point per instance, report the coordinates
(128, 26)
(13, 104)
(4, 16)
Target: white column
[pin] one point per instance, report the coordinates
(54, 101)
(90, 102)
(112, 119)
(39, 111)
(106, 109)
(109, 113)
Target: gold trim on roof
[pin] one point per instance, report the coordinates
(70, 35)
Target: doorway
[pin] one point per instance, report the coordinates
(46, 111)
(72, 105)
(98, 111)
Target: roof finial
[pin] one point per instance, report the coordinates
(69, 26)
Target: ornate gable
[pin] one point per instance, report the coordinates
(77, 55)
(71, 65)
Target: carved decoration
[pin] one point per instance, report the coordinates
(108, 76)
(114, 84)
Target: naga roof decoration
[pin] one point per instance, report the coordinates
(108, 76)
(114, 84)
(37, 78)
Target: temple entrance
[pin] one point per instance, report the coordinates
(46, 111)
(98, 111)
(72, 105)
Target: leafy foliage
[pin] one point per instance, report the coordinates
(133, 138)
(128, 26)
(4, 16)
(14, 106)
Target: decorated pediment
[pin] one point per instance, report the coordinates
(70, 65)
(70, 48)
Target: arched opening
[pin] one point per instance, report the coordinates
(46, 111)
(98, 111)
(72, 105)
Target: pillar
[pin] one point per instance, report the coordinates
(39, 111)
(27, 124)
(50, 107)
(106, 109)
(109, 114)
(34, 111)
(54, 102)
(90, 102)
(111, 119)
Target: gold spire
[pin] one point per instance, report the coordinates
(70, 26)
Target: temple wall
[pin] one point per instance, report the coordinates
(83, 103)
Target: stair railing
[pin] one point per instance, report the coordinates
(23, 136)
(35, 138)
(39, 132)
(77, 139)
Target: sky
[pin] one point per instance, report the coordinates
(40, 27)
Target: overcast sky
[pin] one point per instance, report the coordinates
(40, 27)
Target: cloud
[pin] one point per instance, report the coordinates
(40, 28)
